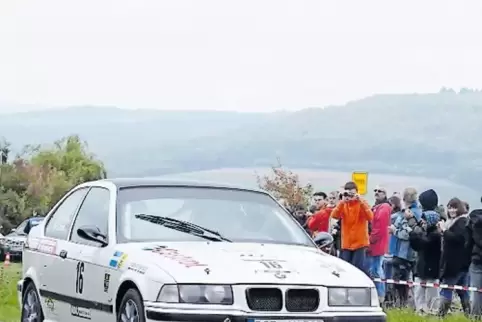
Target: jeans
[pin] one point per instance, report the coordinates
(355, 257)
(375, 270)
(425, 297)
(476, 281)
(402, 270)
(461, 279)
(388, 266)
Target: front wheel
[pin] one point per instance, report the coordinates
(31, 307)
(131, 308)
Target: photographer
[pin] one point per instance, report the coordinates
(320, 220)
(403, 254)
(355, 214)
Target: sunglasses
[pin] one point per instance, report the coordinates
(378, 190)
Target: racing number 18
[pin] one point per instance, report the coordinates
(79, 283)
(271, 264)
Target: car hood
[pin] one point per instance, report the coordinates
(246, 263)
(15, 238)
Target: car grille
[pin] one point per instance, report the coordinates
(14, 244)
(264, 299)
(302, 300)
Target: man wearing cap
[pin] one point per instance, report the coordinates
(379, 236)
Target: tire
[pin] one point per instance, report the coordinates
(31, 304)
(131, 302)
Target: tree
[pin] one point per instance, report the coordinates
(4, 150)
(284, 184)
(40, 176)
(70, 155)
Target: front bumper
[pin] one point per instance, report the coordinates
(154, 313)
(20, 293)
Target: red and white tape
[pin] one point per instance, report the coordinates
(432, 285)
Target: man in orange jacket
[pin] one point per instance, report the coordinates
(354, 214)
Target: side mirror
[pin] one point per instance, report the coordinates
(323, 239)
(28, 227)
(13, 230)
(92, 233)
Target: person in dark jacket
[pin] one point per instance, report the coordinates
(455, 257)
(426, 240)
(474, 245)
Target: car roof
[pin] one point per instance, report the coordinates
(36, 218)
(167, 182)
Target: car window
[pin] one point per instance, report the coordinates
(20, 229)
(94, 211)
(242, 216)
(59, 222)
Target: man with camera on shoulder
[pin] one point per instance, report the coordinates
(354, 214)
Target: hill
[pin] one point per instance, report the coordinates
(330, 180)
(430, 135)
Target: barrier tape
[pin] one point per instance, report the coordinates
(426, 284)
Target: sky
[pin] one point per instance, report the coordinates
(246, 55)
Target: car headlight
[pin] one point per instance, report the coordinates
(338, 296)
(196, 294)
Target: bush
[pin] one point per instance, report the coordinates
(285, 185)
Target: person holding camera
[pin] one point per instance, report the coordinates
(354, 214)
(320, 220)
(403, 255)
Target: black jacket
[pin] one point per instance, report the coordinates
(428, 245)
(474, 236)
(455, 257)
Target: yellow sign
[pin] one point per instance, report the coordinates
(361, 180)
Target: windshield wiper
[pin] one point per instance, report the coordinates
(184, 226)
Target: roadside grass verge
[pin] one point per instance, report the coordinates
(9, 276)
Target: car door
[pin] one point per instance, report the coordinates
(91, 275)
(48, 255)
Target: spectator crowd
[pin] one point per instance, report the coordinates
(405, 237)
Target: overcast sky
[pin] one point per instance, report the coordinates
(233, 55)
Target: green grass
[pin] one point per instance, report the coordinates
(9, 276)
(9, 309)
(410, 316)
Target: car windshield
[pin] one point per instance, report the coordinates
(238, 215)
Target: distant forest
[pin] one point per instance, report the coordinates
(434, 135)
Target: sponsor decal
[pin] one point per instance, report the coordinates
(275, 267)
(118, 260)
(106, 282)
(43, 245)
(174, 255)
(50, 304)
(80, 312)
(48, 246)
(138, 268)
(331, 266)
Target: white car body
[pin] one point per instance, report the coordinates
(57, 266)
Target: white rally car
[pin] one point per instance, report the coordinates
(156, 250)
